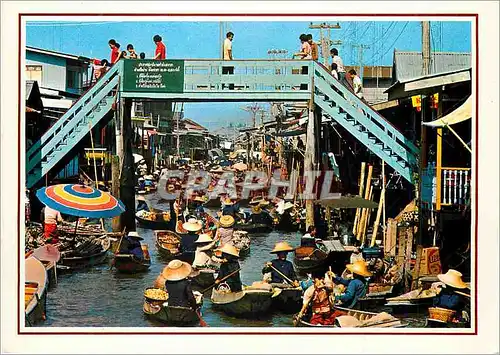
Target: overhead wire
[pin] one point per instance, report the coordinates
(392, 45)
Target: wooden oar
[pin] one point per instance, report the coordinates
(223, 279)
(282, 275)
(202, 321)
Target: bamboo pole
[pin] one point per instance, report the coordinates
(364, 212)
(366, 222)
(361, 187)
(377, 219)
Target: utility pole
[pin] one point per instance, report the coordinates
(253, 109)
(426, 48)
(361, 48)
(325, 41)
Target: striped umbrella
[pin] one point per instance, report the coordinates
(80, 201)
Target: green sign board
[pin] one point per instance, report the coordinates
(153, 75)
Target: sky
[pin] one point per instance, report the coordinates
(195, 40)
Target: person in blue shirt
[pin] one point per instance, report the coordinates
(188, 241)
(451, 297)
(355, 288)
(132, 245)
(141, 204)
(282, 265)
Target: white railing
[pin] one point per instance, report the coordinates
(455, 186)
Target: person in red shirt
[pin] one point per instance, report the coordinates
(161, 50)
(115, 51)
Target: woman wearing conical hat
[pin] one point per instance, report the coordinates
(355, 288)
(230, 265)
(225, 231)
(285, 267)
(177, 284)
(203, 255)
(453, 295)
(188, 240)
(259, 216)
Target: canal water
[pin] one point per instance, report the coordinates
(100, 297)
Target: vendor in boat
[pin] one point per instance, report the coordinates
(141, 184)
(453, 295)
(355, 288)
(177, 284)
(318, 297)
(142, 204)
(203, 255)
(259, 216)
(50, 220)
(230, 208)
(285, 267)
(225, 232)
(132, 245)
(309, 239)
(188, 240)
(229, 265)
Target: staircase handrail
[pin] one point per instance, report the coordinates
(105, 90)
(371, 113)
(117, 68)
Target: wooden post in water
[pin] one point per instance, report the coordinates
(115, 189)
(309, 159)
(367, 218)
(358, 210)
(364, 212)
(127, 180)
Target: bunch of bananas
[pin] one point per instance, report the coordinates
(156, 294)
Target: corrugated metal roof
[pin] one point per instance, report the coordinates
(408, 65)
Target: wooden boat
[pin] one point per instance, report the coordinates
(202, 278)
(308, 259)
(155, 225)
(360, 316)
(247, 303)
(129, 264)
(411, 302)
(376, 296)
(253, 228)
(175, 316)
(167, 243)
(82, 262)
(35, 291)
(289, 300)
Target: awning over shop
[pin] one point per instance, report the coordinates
(463, 113)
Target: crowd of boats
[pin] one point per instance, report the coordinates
(329, 283)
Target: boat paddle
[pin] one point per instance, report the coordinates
(202, 321)
(223, 279)
(277, 290)
(117, 248)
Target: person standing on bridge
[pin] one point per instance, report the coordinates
(115, 51)
(314, 47)
(161, 50)
(340, 64)
(228, 55)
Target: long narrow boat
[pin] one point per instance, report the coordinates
(412, 302)
(361, 316)
(247, 303)
(35, 291)
(308, 259)
(129, 264)
(253, 228)
(171, 315)
(167, 243)
(82, 262)
(155, 225)
(288, 299)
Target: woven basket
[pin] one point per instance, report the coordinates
(441, 314)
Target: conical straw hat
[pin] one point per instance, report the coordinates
(176, 270)
(282, 247)
(192, 225)
(135, 235)
(226, 221)
(452, 278)
(229, 249)
(256, 210)
(204, 238)
(359, 267)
